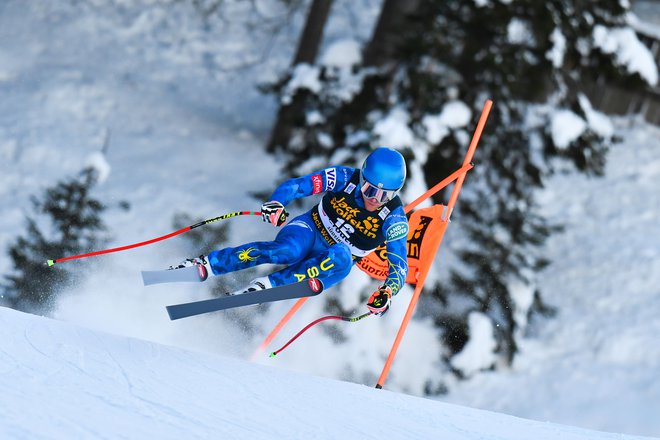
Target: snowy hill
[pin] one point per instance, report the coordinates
(61, 381)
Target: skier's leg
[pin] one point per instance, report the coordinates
(330, 266)
(290, 246)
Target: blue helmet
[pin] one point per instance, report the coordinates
(383, 174)
(384, 168)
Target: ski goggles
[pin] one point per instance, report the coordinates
(373, 192)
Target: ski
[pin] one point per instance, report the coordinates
(310, 287)
(192, 274)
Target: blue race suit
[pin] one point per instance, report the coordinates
(327, 240)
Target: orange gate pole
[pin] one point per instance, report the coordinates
(422, 276)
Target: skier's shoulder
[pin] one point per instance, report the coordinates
(341, 174)
(334, 177)
(395, 207)
(395, 223)
(393, 212)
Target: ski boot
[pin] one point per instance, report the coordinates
(261, 283)
(201, 262)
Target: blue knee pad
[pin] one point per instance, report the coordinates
(292, 245)
(331, 266)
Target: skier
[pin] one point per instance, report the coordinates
(359, 211)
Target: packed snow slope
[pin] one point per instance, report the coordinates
(62, 381)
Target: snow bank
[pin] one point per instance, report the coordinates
(61, 381)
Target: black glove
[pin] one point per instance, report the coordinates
(379, 302)
(274, 212)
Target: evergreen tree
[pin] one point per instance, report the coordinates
(532, 59)
(66, 221)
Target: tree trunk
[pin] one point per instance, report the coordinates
(308, 48)
(310, 40)
(389, 32)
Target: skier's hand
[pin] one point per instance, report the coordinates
(379, 302)
(274, 212)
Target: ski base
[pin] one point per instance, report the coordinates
(191, 274)
(310, 287)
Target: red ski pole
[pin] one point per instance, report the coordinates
(153, 240)
(311, 324)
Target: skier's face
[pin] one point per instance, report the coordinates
(372, 203)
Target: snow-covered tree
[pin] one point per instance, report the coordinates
(65, 221)
(423, 94)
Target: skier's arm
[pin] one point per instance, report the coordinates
(396, 231)
(325, 180)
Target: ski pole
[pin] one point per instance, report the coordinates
(311, 324)
(153, 240)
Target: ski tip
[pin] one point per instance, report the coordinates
(50, 263)
(272, 355)
(147, 278)
(171, 314)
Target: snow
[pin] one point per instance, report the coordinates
(180, 132)
(98, 163)
(479, 352)
(314, 118)
(339, 58)
(566, 127)
(629, 51)
(304, 76)
(342, 54)
(558, 51)
(518, 32)
(523, 298)
(62, 381)
(454, 114)
(393, 128)
(598, 122)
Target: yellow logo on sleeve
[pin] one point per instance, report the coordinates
(244, 255)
